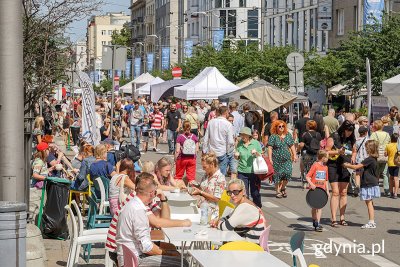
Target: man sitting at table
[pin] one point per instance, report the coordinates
(133, 227)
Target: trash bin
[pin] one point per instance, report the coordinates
(12, 234)
(75, 131)
(52, 220)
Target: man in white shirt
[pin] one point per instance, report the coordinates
(238, 121)
(219, 139)
(133, 228)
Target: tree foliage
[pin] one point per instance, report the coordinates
(47, 53)
(122, 38)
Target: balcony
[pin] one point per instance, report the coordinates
(149, 19)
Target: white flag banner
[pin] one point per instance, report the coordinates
(89, 130)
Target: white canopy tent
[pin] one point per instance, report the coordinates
(209, 84)
(136, 83)
(165, 89)
(391, 89)
(145, 89)
(340, 89)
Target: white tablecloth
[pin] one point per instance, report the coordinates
(228, 258)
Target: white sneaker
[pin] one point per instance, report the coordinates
(369, 226)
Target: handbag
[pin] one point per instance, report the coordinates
(270, 171)
(259, 165)
(122, 196)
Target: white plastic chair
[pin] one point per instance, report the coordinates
(81, 229)
(103, 202)
(77, 241)
(299, 255)
(130, 259)
(264, 238)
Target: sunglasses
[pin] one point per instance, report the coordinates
(235, 192)
(281, 126)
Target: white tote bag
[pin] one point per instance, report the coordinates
(122, 195)
(260, 166)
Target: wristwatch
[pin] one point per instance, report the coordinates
(165, 200)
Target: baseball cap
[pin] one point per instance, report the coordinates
(42, 146)
(362, 130)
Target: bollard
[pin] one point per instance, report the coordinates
(12, 234)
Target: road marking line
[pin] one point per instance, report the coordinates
(269, 205)
(289, 215)
(380, 261)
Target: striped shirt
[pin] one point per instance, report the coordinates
(158, 118)
(246, 220)
(111, 243)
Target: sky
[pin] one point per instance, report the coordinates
(77, 30)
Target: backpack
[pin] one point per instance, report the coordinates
(381, 151)
(315, 144)
(189, 146)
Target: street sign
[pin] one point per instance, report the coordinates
(295, 61)
(116, 79)
(296, 82)
(176, 72)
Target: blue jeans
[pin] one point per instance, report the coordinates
(171, 135)
(251, 180)
(135, 133)
(227, 160)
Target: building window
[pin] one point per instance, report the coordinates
(252, 23)
(103, 32)
(110, 32)
(218, 3)
(340, 21)
(227, 3)
(103, 42)
(242, 3)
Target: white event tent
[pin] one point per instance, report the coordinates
(391, 89)
(145, 89)
(209, 84)
(143, 79)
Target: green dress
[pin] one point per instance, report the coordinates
(281, 156)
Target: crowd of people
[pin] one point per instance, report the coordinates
(227, 142)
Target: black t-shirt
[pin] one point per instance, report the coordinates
(308, 138)
(50, 158)
(248, 119)
(173, 120)
(267, 129)
(339, 143)
(102, 130)
(301, 127)
(117, 116)
(368, 178)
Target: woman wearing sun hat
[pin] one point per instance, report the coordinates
(248, 149)
(39, 165)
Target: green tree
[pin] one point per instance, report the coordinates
(122, 38)
(378, 42)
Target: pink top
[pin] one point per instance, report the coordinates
(181, 139)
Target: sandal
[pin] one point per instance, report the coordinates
(334, 224)
(284, 194)
(279, 195)
(343, 223)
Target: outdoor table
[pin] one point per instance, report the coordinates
(179, 197)
(183, 206)
(229, 258)
(193, 234)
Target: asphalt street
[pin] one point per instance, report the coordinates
(342, 246)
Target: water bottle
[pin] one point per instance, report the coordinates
(204, 213)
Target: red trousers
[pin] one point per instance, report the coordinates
(188, 165)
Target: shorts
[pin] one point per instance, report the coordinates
(338, 174)
(394, 171)
(156, 133)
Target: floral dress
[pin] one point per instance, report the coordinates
(214, 186)
(281, 156)
(39, 167)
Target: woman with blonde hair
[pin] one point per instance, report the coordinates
(212, 185)
(164, 178)
(192, 117)
(247, 220)
(38, 130)
(101, 168)
(282, 153)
